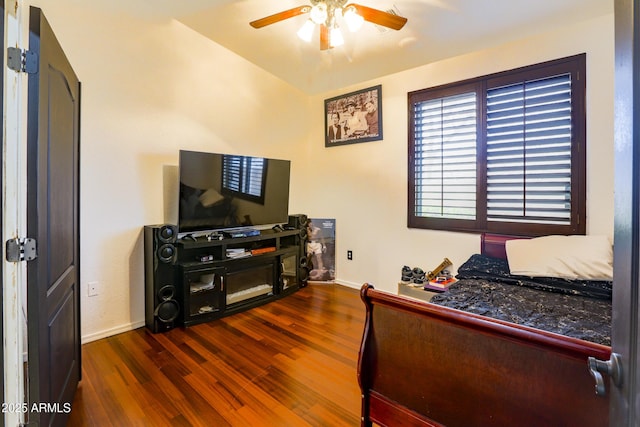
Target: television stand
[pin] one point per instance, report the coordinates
(216, 277)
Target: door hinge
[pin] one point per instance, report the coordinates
(21, 250)
(20, 60)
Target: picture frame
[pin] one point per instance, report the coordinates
(354, 117)
(321, 249)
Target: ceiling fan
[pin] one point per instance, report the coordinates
(326, 14)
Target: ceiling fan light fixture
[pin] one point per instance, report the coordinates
(306, 31)
(330, 15)
(353, 19)
(335, 37)
(318, 13)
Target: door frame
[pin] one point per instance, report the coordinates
(2, 138)
(14, 216)
(625, 334)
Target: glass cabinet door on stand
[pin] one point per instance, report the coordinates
(289, 272)
(203, 292)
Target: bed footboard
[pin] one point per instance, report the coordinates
(425, 365)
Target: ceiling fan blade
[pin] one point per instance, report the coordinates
(324, 37)
(379, 17)
(280, 16)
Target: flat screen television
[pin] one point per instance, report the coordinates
(225, 191)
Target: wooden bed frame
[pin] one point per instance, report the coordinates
(421, 364)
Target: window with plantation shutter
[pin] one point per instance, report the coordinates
(244, 177)
(503, 153)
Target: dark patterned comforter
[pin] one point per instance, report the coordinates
(579, 309)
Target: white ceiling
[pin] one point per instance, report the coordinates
(436, 29)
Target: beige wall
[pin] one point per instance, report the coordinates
(364, 186)
(152, 87)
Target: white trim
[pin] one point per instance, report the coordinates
(14, 217)
(112, 331)
(353, 285)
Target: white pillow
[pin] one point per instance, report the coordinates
(210, 197)
(568, 257)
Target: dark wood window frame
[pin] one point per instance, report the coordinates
(575, 66)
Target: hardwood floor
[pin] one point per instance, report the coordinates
(291, 362)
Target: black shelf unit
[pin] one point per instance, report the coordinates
(211, 283)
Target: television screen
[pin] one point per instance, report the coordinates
(229, 191)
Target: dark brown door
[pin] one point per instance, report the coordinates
(53, 299)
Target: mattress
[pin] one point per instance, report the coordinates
(574, 308)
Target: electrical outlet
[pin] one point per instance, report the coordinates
(92, 289)
(349, 255)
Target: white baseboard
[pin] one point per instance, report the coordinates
(337, 282)
(112, 331)
(353, 285)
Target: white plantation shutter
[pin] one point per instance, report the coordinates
(529, 151)
(445, 157)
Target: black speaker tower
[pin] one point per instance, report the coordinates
(301, 222)
(162, 296)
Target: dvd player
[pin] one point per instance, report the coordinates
(241, 233)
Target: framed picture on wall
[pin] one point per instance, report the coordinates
(354, 117)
